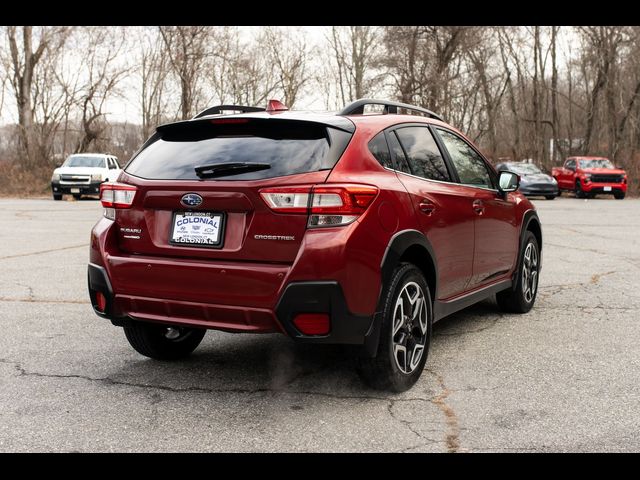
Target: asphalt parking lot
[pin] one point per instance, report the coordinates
(565, 377)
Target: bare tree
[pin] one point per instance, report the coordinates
(241, 73)
(288, 53)
(188, 48)
(491, 80)
(354, 52)
(425, 62)
(105, 68)
(153, 73)
(26, 53)
(601, 50)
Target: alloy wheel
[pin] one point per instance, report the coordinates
(530, 272)
(410, 326)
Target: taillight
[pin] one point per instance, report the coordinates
(339, 205)
(287, 200)
(327, 205)
(117, 195)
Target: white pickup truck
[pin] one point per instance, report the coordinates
(82, 174)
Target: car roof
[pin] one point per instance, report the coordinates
(587, 158)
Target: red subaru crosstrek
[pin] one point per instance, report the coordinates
(346, 228)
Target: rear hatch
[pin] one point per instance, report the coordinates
(198, 186)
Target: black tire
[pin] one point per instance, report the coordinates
(515, 299)
(579, 192)
(619, 195)
(551, 197)
(57, 196)
(77, 196)
(383, 371)
(150, 340)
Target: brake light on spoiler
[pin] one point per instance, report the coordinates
(327, 205)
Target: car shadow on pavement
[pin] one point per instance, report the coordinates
(273, 363)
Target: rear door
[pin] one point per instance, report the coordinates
(496, 230)
(442, 207)
(178, 213)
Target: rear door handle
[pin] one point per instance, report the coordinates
(478, 207)
(427, 206)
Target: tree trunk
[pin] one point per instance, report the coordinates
(557, 149)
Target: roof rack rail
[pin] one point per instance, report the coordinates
(357, 107)
(218, 109)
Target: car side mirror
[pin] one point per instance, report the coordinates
(508, 182)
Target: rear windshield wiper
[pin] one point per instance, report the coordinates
(224, 169)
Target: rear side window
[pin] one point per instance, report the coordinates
(288, 147)
(379, 149)
(422, 151)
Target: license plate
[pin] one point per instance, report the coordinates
(199, 229)
(607, 189)
(75, 190)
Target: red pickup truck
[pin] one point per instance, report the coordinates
(588, 176)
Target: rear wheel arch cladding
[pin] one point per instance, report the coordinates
(405, 246)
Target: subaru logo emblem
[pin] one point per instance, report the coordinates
(191, 200)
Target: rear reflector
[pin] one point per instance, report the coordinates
(117, 195)
(327, 205)
(101, 301)
(312, 323)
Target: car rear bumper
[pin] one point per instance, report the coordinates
(297, 297)
(92, 188)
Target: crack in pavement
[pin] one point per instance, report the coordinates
(583, 308)
(43, 251)
(450, 440)
(595, 278)
(555, 289)
(492, 324)
(26, 214)
(452, 436)
(22, 372)
(409, 426)
(29, 288)
(590, 234)
(630, 260)
(42, 300)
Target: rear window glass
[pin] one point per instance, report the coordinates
(288, 147)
